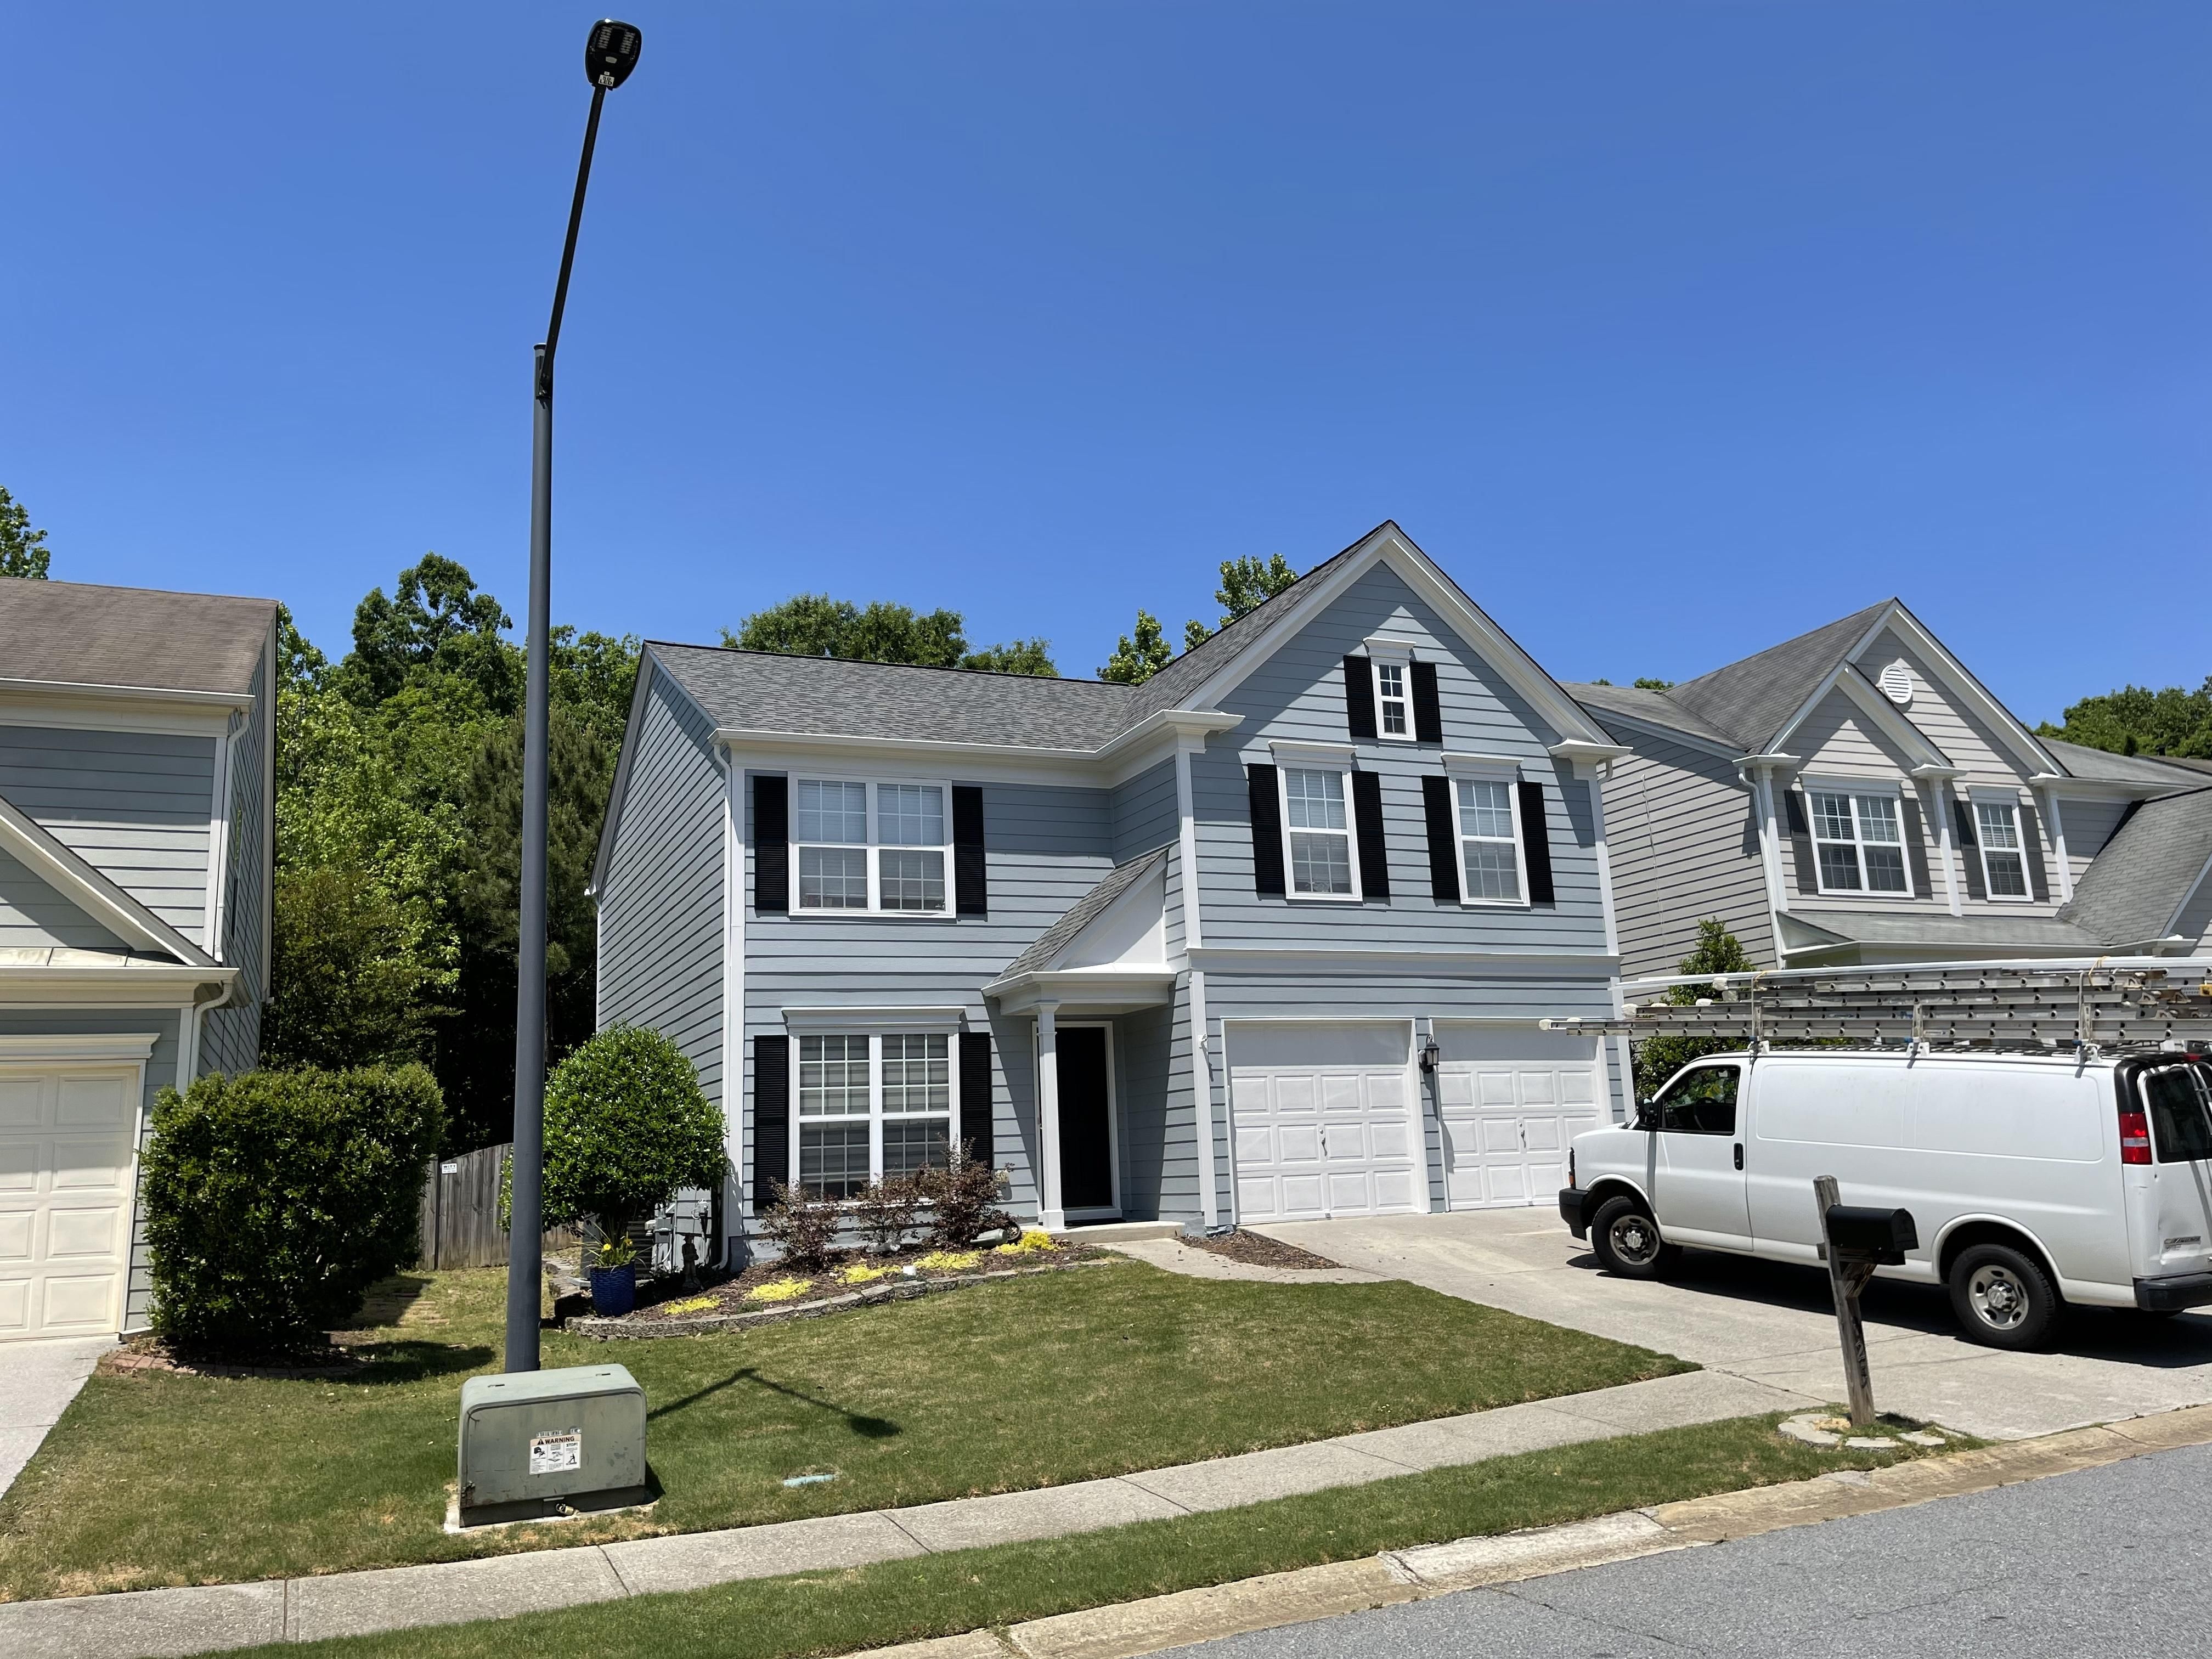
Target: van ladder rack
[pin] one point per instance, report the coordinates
(2027, 1008)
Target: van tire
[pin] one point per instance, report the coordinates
(1637, 1251)
(2003, 1298)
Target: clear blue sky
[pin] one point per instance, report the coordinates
(1670, 330)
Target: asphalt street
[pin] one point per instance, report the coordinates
(2110, 1561)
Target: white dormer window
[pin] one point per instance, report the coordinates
(2004, 855)
(1858, 842)
(1393, 710)
(879, 846)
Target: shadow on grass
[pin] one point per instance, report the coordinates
(414, 1361)
(388, 1300)
(868, 1428)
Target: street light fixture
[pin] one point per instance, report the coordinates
(609, 54)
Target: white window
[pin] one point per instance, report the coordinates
(873, 1106)
(1857, 842)
(1489, 841)
(1393, 710)
(1318, 823)
(882, 847)
(2004, 856)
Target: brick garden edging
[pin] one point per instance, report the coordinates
(899, 1290)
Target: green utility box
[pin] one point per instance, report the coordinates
(543, 1442)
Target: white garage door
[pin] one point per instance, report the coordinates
(65, 1176)
(1326, 1120)
(1512, 1098)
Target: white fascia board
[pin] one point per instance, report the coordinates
(1489, 765)
(2067, 788)
(99, 899)
(1084, 990)
(90, 1045)
(1159, 736)
(1387, 543)
(613, 817)
(909, 754)
(114, 988)
(2008, 725)
(174, 696)
(1292, 750)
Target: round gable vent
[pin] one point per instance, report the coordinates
(1897, 684)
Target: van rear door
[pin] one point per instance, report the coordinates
(2173, 1226)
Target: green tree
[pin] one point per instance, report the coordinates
(626, 1126)
(22, 550)
(2136, 720)
(1647, 684)
(816, 625)
(435, 618)
(1134, 662)
(1659, 1058)
(1246, 583)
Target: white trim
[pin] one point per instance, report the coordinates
(98, 1046)
(1384, 648)
(1278, 959)
(1108, 990)
(1596, 787)
(1844, 783)
(1194, 939)
(1519, 844)
(218, 869)
(1870, 700)
(1404, 667)
(2046, 802)
(15, 685)
(1587, 757)
(148, 986)
(855, 1022)
(265, 875)
(1045, 1048)
(612, 824)
(1936, 803)
(1769, 842)
(1301, 752)
(1855, 792)
(1340, 767)
(2006, 800)
(874, 847)
(875, 1116)
(1666, 733)
(1998, 792)
(1491, 765)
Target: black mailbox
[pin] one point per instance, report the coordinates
(1857, 1233)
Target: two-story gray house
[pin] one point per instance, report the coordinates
(135, 834)
(1264, 937)
(1855, 795)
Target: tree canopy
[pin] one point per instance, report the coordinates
(1246, 583)
(23, 551)
(816, 625)
(2137, 720)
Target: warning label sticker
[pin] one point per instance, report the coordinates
(551, 1454)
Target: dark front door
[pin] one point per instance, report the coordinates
(1087, 1130)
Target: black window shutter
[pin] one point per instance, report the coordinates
(1367, 820)
(1359, 696)
(771, 1118)
(1266, 830)
(971, 890)
(2031, 849)
(1536, 842)
(1443, 840)
(975, 1095)
(1969, 849)
(771, 845)
(1801, 842)
(1428, 713)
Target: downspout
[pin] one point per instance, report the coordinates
(733, 998)
(1194, 937)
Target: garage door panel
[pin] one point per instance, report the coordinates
(93, 1103)
(1498, 1135)
(18, 1229)
(80, 1302)
(1296, 1143)
(1454, 1088)
(15, 1307)
(66, 1159)
(1540, 1135)
(1392, 1140)
(1296, 1094)
(1511, 1099)
(20, 1163)
(1323, 1122)
(88, 1165)
(22, 1103)
(1495, 1089)
(75, 1234)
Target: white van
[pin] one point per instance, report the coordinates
(2033, 1181)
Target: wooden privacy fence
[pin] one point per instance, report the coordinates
(460, 1213)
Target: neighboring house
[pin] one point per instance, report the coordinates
(1184, 950)
(1855, 795)
(136, 760)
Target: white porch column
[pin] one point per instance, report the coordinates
(1052, 1214)
(1935, 801)
(2054, 829)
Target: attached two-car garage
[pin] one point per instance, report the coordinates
(67, 1166)
(1327, 1116)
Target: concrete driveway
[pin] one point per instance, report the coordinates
(1773, 1323)
(38, 1380)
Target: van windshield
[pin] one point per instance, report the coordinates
(2180, 1124)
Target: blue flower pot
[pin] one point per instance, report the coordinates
(614, 1291)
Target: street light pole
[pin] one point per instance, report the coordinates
(609, 54)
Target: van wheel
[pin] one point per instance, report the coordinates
(2002, 1298)
(1627, 1242)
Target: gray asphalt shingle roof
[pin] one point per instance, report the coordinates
(1654, 706)
(1963, 933)
(2103, 764)
(2132, 888)
(1079, 916)
(76, 633)
(1751, 698)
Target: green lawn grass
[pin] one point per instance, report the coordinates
(822, 1613)
(156, 1479)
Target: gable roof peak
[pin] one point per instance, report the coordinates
(1753, 698)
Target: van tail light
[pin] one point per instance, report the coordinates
(2135, 1135)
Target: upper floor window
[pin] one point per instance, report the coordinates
(1394, 708)
(1858, 842)
(870, 846)
(1318, 823)
(1489, 842)
(2004, 857)
(870, 1107)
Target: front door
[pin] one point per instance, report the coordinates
(1701, 1198)
(1086, 1124)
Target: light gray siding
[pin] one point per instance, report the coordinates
(1145, 812)
(32, 914)
(1298, 694)
(1682, 836)
(2088, 824)
(135, 805)
(660, 903)
(230, 1040)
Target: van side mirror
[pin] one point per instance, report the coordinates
(1647, 1115)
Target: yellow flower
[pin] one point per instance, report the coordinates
(860, 1273)
(780, 1290)
(1033, 1241)
(950, 1261)
(689, 1304)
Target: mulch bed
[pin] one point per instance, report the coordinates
(1260, 1250)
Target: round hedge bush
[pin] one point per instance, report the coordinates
(626, 1125)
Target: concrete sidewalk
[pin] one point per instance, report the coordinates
(38, 1380)
(208, 1618)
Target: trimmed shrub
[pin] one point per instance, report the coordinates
(802, 1225)
(963, 1200)
(884, 1212)
(626, 1125)
(275, 1199)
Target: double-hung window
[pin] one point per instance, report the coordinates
(872, 1105)
(864, 845)
(1489, 841)
(1858, 842)
(2004, 856)
(1318, 823)
(1394, 708)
